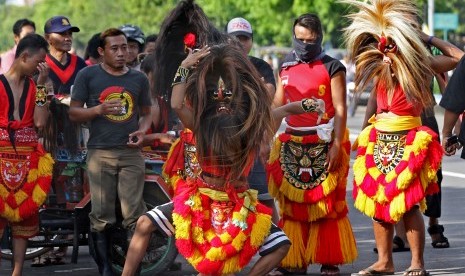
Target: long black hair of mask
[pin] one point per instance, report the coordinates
(228, 139)
(186, 17)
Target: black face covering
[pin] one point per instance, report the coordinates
(306, 51)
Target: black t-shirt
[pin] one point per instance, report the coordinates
(264, 69)
(94, 85)
(453, 98)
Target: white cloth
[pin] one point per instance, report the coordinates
(323, 131)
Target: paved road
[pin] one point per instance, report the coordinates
(449, 261)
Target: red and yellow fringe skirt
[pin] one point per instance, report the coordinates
(387, 195)
(26, 175)
(213, 249)
(313, 209)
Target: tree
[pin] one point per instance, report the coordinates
(271, 19)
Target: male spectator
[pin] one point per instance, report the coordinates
(21, 28)
(242, 30)
(23, 107)
(118, 107)
(136, 42)
(148, 49)
(150, 44)
(453, 100)
(63, 70)
(64, 67)
(91, 54)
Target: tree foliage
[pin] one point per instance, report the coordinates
(271, 19)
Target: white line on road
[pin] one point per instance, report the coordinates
(453, 174)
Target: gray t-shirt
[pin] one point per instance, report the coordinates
(94, 85)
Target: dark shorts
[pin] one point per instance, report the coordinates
(257, 180)
(161, 217)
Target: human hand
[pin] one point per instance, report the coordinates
(166, 138)
(333, 159)
(320, 106)
(136, 139)
(63, 99)
(451, 145)
(194, 57)
(43, 70)
(110, 107)
(424, 36)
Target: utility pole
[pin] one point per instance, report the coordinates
(431, 16)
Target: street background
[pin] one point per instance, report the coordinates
(450, 261)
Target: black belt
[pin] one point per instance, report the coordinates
(300, 132)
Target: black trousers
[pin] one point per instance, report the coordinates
(433, 202)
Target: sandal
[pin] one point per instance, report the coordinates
(441, 241)
(329, 270)
(398, 245)
(57, 257)
(372, 271)
(282, 271)
(40, 261)
(416, 272)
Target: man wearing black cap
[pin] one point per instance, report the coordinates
(63, 70)
(64, 66)
(136, 42)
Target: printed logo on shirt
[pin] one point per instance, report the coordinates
(321, 90)
(285, 80)
(127, 103)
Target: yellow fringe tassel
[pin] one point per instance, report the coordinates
(45, 166)
(348, 245)
(295, 257)
(231, 264)
(182, 227)
(261, 226)
(312, 243)
(275, 151)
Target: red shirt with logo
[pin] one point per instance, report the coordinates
(309, 80)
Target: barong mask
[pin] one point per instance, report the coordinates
(386, 46)
(14, 171)
(304, 164)
(388, 151)
(223, 96)
(221, 215)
